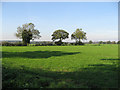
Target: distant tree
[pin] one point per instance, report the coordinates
(100, 42)
(104, 42)
(27, 33)
(113, 42)
(59, 34)
(108, 42)
(79, 35)
(90, 42)
(118, 42)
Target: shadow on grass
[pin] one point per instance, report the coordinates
(94, 76)
(109, 59)
(36, 54)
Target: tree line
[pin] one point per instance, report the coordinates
(28, 32)
(105, 42)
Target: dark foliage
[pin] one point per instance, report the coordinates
(26, 36)
(59, 43)
(44, 44)
(41, 44)
(79, 43)
(7, 44)
(59, 34)
(118, 42)
(12, 44)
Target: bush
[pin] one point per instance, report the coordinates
(72, 43)
(7, 44)
(64, 44)
(18, 44)
(79, 43)
(59, 43)
(37, 44)
(44, 44)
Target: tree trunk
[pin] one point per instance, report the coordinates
(24, 42)
(28, 42)
(79, 40)
(61, 40)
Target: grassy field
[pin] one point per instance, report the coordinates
(86, 66)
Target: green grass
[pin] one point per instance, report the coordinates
(60, 66)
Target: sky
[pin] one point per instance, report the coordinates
(98, 19)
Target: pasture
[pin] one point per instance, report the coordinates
(86, 66)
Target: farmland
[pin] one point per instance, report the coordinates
(60, 66)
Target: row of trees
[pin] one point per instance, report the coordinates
(27, 32)
(107, 42)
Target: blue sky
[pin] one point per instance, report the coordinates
(98, 19)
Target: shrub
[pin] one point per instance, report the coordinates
(72, 43)
(37, 44)
(18, 44)
(44, 44)
(80, 43)
(64, 44)
(58, 43)
(5, 43)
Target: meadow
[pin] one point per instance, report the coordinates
(87, 66)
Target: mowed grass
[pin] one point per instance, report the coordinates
(86, 66)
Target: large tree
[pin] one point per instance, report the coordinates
(27, 33)
(79, 35)
(59, 34)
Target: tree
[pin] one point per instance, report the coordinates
(118, 42)
(79, 35)
(113, 42)
(108, 42)
(59, 34)
(27, 33)
(104, 42)
(90, 42)
(100, 42)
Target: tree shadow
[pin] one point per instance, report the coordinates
(96, 65)
(110, 59)
(36, 54)
(95, 76)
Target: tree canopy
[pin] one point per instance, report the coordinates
(59, 34)
(90, 42)
(27, 33)
(118, 42)
(79, 35)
